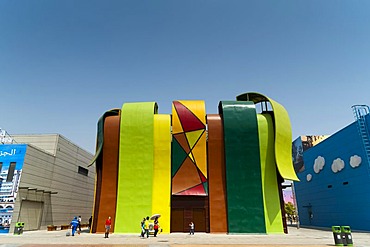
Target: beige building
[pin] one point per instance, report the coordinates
(54, 184)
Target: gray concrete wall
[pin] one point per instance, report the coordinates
(46, 142)
(54, 181)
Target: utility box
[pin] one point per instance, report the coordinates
(337, 233)
(347, 236)
(18, 229)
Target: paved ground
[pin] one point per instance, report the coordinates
(302, 237)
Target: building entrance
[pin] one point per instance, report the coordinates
(30, 214)
(186, 209)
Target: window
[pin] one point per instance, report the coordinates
(83, 171)
(11, 169)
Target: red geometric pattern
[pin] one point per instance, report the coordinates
(195, 191)
(188, 120)
(202, 177)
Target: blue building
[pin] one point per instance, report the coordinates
(335, 177)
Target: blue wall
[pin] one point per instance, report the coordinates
(347, 201)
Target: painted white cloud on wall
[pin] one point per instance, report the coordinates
(355, 161)
(309, 177)
(318, 164)
(338, 165)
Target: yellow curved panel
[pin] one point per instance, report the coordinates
(161, 196)
(283, 142)
(283, 135)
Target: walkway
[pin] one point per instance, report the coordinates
(302, 237)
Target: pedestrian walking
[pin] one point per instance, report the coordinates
(90, 222)
(79, 224)
(108, 224)
(74, 225)
(142, 228)
(146, 226)
(191, 228)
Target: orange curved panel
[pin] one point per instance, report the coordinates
(216, 175)
(106, 200)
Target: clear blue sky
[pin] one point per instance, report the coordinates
(64, 63)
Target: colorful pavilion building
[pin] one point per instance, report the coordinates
(222, 171)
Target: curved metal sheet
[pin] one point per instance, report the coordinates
(283, 135)
(243, 169)
(100, 133)
(136, 158)
(107, 172)
(271, 200)
(216, 175)
(161, 199)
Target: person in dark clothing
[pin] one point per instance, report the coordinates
(142, 228)
(90, 221)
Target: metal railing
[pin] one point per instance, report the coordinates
(360, 112)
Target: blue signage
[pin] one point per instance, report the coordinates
(11, 164)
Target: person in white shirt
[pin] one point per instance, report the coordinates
(191, 228)
(79, 224)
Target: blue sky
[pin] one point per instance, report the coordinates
(64, 63)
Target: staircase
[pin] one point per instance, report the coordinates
(360, 112)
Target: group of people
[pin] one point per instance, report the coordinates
(76, 225)
(145, 227)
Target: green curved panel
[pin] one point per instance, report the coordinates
(271, 200)
(243, 170)
(283, 135)
(136, 159)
